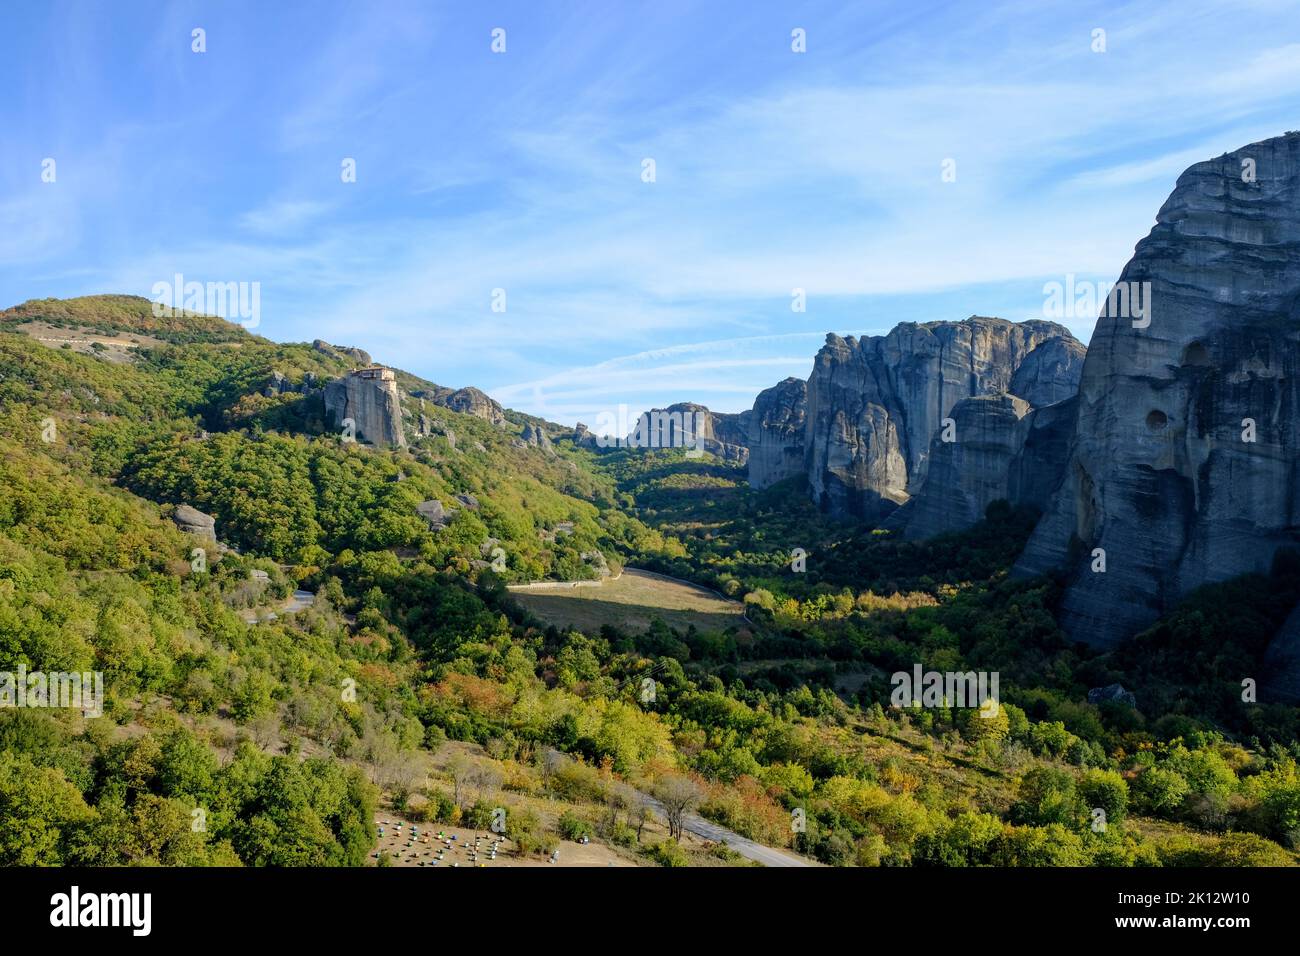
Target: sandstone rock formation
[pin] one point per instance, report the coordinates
(369, 397)
(875, 404)
(1001, 449)
(354, 355)
(535, 436)
(1050, 373)
(776, 433)
(433, 512)
(1037, 469)
(694, 427)
(471, 401)
(1183, 465)
(193, 521)
(970, 466)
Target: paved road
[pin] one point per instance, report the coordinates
(768, 856)
(301, 599)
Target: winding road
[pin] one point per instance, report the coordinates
(768, 856)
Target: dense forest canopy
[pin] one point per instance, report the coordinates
(784, 708)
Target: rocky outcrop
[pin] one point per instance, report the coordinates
(535, 436)
(193, 521)
(694, 427)
(368, 397)
(875, 404)
(1112, 694)
(999, 449)
(596, 561)
(1050, 373)
(279, 384)
(970, 466)
(1182, 466)
(471, 401)
(583, 437)
(434, 513)
(344, 352)
(1037, 468)
(776, 433)
(467, 401)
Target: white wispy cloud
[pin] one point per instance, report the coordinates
(775, 172)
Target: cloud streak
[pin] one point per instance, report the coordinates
(522, 172)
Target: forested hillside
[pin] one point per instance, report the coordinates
(286, 734)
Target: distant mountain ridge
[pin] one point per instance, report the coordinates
(860, 428)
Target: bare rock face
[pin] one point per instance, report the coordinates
(1039, 465)
(999, 449)
(369, 397)
(471, 401)
(692, 426)
(278, 385)
(1183, 463)
(193, 521)
(776, 432)
(970, 466)
(1050, 373)
(358, 356)
(534, 436)
(467, 401)
(875, 404)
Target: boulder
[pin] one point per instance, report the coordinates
(433, 512)
(195, 522)
(1112, 693)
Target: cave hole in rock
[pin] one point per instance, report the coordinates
(1157, 420)
(1196, 355)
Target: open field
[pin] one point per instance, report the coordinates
(630, 602)
(114, 346)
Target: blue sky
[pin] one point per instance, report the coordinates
(522, 171)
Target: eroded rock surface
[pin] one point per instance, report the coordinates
(875, 404)
(369, 397)
(1183, 463)
(776, 433)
